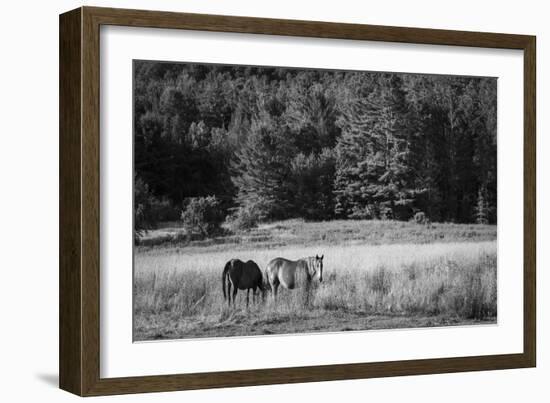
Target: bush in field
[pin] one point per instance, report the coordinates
(202, 215)
(247, 216)
(243, 218)
(420, 218)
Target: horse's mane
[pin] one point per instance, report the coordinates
(310, 264)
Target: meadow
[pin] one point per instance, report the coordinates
(377, 275)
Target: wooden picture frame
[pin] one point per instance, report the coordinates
(79, 348)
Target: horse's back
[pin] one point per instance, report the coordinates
(245, 275)
(253, 270)
(236, 263)
(283, 271)
(236, 266)
(274, 265)
(278, 262)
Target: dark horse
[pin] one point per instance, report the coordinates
(243, 276)
(293, 273)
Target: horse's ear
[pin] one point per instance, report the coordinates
(322, 256)
(317, 257)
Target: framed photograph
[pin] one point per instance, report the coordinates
(248, 201)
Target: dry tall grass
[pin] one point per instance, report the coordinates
(178, 293)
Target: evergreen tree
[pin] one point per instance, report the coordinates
(262, 168)
(482, 210)
(312, 116)
(312, 185)
(374, 178)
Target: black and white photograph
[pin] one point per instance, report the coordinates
(276, 200)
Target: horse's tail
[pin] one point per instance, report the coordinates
(265, 279)
(263, 284)
(224, 278)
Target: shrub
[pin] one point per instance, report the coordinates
(247, 216)
(242, 219)
(386, 213)
(202, 215)
(420, 218)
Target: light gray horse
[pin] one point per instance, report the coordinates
(293, 273)
(243, 276)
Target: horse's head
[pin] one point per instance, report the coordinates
(319, 266)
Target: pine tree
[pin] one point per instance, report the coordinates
(312, 185)
(262, 168)
(312, 115)
(482, 210)
(374, 178)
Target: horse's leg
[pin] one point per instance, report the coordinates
(228, 292)
(308, 293)
(247, 297)
(253, 295)
(275, 289)
(235, 289)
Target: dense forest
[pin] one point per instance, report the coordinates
(276, 143)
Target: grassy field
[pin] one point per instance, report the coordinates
(377, 275)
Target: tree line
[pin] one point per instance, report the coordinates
(273, 143)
